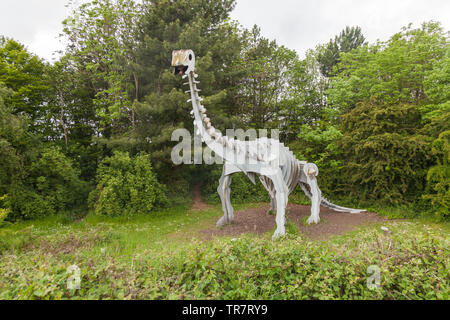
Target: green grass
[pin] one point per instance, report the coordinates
(158, 256)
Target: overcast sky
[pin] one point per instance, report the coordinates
(297, 24)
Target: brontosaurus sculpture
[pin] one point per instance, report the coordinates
(275, 165)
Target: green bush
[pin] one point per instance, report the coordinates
(386, 160)
(438, 177)
(3, 211)
(52, 185)
(126, 185)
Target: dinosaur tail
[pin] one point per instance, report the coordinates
(324, 202)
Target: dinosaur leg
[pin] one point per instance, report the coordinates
(224, 193)
(281, 191)
(308, 183)
(273, 205)
(316, 197)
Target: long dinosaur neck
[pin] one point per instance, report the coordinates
(209, 134)
(223, 146)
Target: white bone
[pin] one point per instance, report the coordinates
(261, 150)
(224, 141)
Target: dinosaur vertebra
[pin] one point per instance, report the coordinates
(275, 165)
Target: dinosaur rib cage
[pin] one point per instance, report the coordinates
(291, 170)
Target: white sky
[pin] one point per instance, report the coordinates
(297, 24)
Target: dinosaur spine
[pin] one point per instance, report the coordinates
(213, 138)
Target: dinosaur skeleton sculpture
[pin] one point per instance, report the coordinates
(275, 165)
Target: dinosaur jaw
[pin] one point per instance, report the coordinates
(181, 70)
(183, 61)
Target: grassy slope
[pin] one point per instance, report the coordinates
(149, 257)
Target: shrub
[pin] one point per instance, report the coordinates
(385, 159)
(52, 185)
(126, 185)
(438, 177)
(3, 211)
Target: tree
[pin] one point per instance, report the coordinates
(101, 48)
(169, 25)
(350, 38)
(385, 157)
(380, 93)
(24, 73)
(306, 101)
(391, 72)
(264, 81)
(38, 179)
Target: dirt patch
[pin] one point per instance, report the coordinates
(197, 201)
(67, 245)
(257, 221)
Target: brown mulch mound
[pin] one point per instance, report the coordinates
(257, 221)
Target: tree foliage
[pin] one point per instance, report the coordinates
(24, 73)
(383, 93)
(329, 55)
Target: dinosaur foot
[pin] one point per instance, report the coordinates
(312, 219)
(222, 221)
(278, 234)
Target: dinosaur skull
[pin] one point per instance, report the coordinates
(183, 61)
